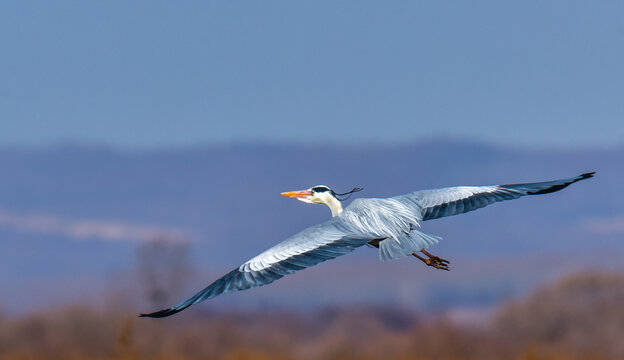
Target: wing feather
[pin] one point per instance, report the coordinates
(439, 203)
(310, 247)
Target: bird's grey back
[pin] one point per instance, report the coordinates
(380, 218)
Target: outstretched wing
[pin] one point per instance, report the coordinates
(308, 248)
(456, 200)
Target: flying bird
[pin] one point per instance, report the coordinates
(389, 224)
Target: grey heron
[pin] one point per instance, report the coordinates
(390, 224)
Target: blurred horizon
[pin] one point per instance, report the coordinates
(242, 143)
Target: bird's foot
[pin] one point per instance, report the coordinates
(438, 263)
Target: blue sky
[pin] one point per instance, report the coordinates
(151, 73)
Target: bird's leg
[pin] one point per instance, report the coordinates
(433, 260)
(426, 261)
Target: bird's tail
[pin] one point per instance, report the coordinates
(391, 248)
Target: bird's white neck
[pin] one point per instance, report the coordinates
(334, 205)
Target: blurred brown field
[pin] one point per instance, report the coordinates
(578, 317)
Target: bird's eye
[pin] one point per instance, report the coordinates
(319, 189)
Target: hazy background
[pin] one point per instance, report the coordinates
(155, 73)
(143, 147)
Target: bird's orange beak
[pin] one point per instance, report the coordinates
(297, 194)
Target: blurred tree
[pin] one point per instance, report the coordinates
(582, 313)
(577, 318)
(163, 267)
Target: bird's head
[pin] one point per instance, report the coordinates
(321, 194)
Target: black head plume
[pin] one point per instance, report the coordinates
(348, 193)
